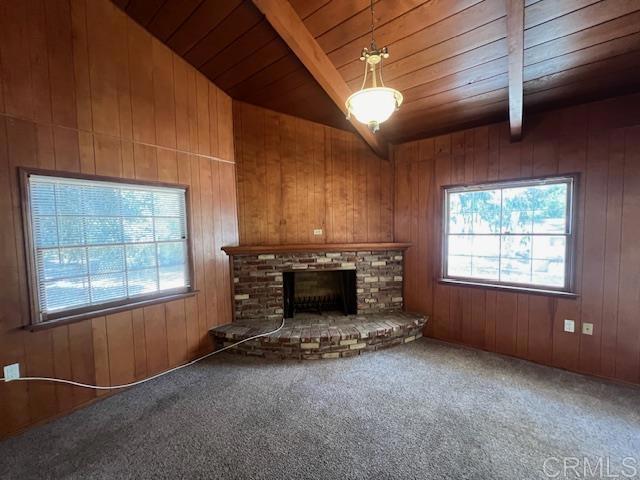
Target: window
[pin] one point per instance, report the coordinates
(515, 234)
(98, 244)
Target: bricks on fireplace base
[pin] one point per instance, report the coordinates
(327, 336)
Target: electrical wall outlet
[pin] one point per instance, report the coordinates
(587, 328)
(12, 372)
(569, 326)
(317, 231)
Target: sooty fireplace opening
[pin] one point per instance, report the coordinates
(320, 291)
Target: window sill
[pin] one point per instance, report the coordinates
(34, 327)
(508, 288)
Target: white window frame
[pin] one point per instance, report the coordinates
(568, 288)
(41, 319)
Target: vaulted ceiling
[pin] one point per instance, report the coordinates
(448, 58)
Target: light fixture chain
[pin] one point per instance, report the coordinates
(373, 27)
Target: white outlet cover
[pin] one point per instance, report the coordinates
(317, 231)
(569, 326)
(587, 328)
(12, 372)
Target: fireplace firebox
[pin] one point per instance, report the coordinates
(320, 291)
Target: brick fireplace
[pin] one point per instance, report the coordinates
(259, 275)
(337, 301)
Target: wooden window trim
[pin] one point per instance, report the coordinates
(568, 290)
(83, 313)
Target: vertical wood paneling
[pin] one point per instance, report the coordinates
(96, 94)
(82, 359)
(594, 228)
(273, 180)
(139, 343)
(296, 176)
(224, 110)
(176, 332)
(141, 72)
(15, 64)
(628, 345)
(613, 238)
(155, 328)
(120, 347)
(606, 154)
(39, 356)
(59, 47)
(81, 70)
(164, 106)
(37, 52)
(100, 353)
(102, 20)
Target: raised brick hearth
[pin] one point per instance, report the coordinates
(314, 337)
(259, 274)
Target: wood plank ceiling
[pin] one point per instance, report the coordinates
(449, 58)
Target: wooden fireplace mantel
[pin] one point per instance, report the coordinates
(317, 247)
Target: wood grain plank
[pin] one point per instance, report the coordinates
(628, 347)
(169, 18)
(120, 347)
(141, 47)
(202, 98)
(62, 367)
(82, 360)
(273, 179)
(39, 363)
(155, 328)
(18, 96)
(208, 247)
(181, 96)
(164, 107)
(595, 185)
(287, 175)
(214, 146)
(176, 332)
(613, 234)
(66, 149)
(100, 354)
(81, 71)
(145, 161)
(224, 111)
(102, 23)
(36, 28)
(139, 343)
(220, 262)
(203, 19)
(60, 61)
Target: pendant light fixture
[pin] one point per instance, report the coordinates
(375, 104)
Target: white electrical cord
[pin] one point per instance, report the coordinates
(126, 385)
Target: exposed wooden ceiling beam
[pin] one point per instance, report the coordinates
(515, 39)
(284, 19)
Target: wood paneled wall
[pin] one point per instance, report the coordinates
(295, 176)
(84, 88)
(601, 141)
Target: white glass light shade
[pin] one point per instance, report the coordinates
(372, 106)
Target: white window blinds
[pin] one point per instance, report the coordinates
(96, 242)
